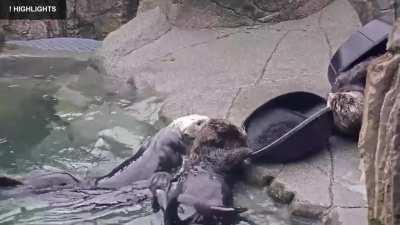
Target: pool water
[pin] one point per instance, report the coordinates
(58, 120)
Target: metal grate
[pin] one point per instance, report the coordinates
(62, 44)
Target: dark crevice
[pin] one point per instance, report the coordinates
(331, 176)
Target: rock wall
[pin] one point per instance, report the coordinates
(85, 18)
(370, 9)
(380, 135)
(91, 19)
(231, 13)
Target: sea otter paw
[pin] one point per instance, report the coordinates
(160, 184)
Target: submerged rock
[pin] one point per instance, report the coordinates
(121, 136)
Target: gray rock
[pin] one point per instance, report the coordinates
(394, 38)
(346, 216)
(121, 136)
(261, 175)
(309, 183)
(139, 32)
(370, 9)
(332, 19)
(2, 39)
(228, 13)
(305, 209)
(348, 188)
(379, 130)
(278, 192)
(85, 18)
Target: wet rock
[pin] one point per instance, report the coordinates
(101, 143)
(261, 175)
(71, 99)
(148, 110)
(346, 216)
(122, 136)
(307, 210)
(278, 192)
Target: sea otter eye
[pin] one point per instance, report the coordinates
(199, 123)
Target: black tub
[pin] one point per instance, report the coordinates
(289, 127)
(369, 40)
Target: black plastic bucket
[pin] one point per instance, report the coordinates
(289, 127)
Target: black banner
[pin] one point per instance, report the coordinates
(33, 9)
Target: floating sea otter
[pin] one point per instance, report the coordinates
(203, 194)
(162, 153)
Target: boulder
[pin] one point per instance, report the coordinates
(379, 138)
(143, 30)
(231, 13)
(133, 35)
(89, 19)
(121, 136)
(85, 18)
(370, 9)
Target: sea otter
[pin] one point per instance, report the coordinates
(346, 98)
(162, 153)
(203, 193)
(39, 182)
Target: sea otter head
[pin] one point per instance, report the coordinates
(189, 125)
(217, 134)
(347, 110)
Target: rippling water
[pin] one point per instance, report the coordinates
(67, 122)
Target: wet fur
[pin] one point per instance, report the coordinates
(347, 98)
(163, 152)
(217, 133)
(203, 194)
